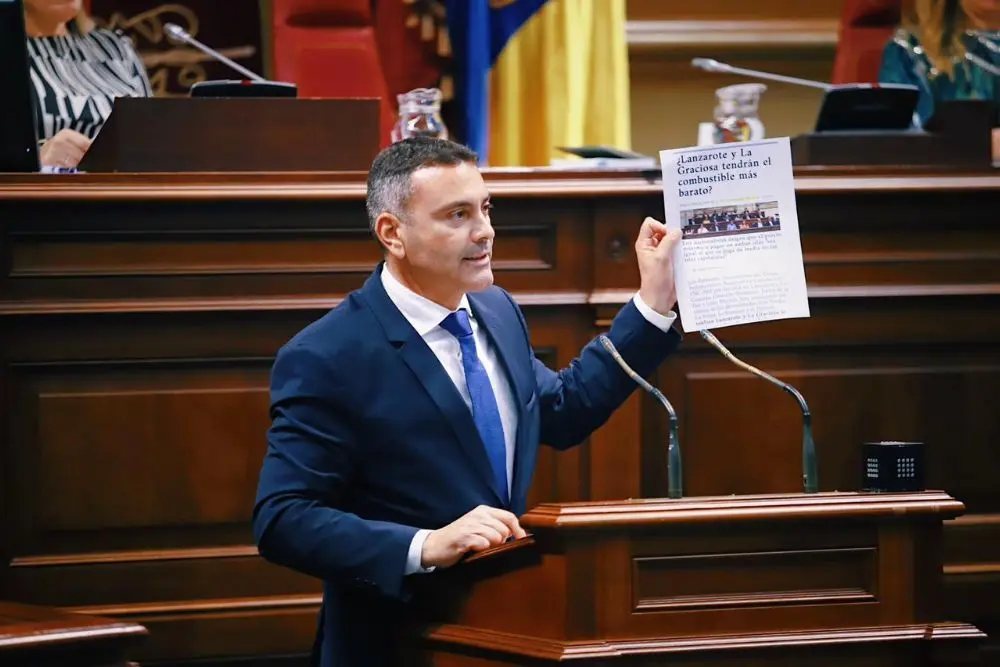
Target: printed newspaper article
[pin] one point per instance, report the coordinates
(740, 257)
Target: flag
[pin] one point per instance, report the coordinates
(562, 80)
(478, 30)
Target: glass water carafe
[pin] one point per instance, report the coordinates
(736, 116)
(419, 115)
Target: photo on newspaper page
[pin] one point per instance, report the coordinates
(740, 258)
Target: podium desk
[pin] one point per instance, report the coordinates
(817, 579)
(32, 636)
(140, 314)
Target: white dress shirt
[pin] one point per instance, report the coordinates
(425, 316)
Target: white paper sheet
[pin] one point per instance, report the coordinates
(740, 256)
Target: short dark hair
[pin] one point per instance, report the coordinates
(389, 183)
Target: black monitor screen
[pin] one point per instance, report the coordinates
(18, 135)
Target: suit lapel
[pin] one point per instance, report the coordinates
(505, 340)
(432, 376)
(442, 391)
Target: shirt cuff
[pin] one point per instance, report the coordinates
(662, 322)
(414, 555)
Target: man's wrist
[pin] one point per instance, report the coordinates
(661, 320)
(414, 557)
(656, 302)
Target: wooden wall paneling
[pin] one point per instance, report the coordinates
(669, 98)
(897, 392)
(32, 636)
(730, 10)
(900, 345)
(972, 575)
(176, 311)
(558, 334)
(164, 384)
(614, 463)
(183, 250)
(615, 466)
(136, 469)
(139, 316)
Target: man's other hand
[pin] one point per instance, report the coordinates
(482, 528)
(654, 251)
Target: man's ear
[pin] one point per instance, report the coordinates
(389, 231)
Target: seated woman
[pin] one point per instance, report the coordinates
(77, 70)
(949, 49)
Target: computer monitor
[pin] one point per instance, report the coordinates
(243, 88)
(867, 107)
(18, 132)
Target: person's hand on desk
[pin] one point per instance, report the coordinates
(482, 528)
(65, 149)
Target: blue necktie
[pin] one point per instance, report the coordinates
(485, 412)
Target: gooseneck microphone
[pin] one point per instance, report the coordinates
(809, 476)
(675, 487)
(710, 65)
(179, 34)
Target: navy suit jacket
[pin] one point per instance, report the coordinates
(371, 441)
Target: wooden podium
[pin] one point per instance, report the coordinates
(803, 579)
(239, 134)
(33, 636)
(959, 134)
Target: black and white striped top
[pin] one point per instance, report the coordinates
(77, 76)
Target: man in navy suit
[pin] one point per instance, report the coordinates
(406, 421)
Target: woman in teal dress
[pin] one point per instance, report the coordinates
(950, 50)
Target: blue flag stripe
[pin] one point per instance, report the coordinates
(478, 31)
